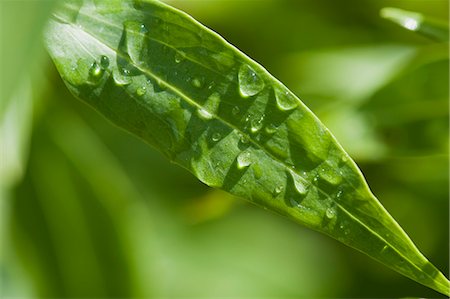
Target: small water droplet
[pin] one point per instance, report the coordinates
(216, 137)
(330, 213)
(141, 91)
(278, 189)
(244, 159)
(197, 82)
(256, 124)
(143, 29)
(344, 158)
(271, 129)
(95, 70)
(250, 83)
(299, 183)
(125, 72)
(235, 110)
(294, 203)
(121, 79)
(257, 171)
(104, 62)
(210, 107)
(179, 57)
(339, 194)
(243, 139)
(285, 100)
(329, 175)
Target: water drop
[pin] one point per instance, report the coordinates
(344, 158)
(271, 129)
(96, 70)
(244, 159)
(141, 91)
(216, 137)
(125, 72)
(257, 171)
(330, 213)
(285, 100)
(104, 62)
(278, 189)
(329, 175)
(235, 110)
(197, 82)
(294, 203)
(250, 83)
(339, 194)
(143, 29)
(210, 107)
(179, 57)
(256, 124)
(299, 183)
(243, 139)
(120, 78)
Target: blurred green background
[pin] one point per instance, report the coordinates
(89, 211)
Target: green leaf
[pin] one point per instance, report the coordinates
(413, 21)
(166, 78)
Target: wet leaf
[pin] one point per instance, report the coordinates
(161, 75)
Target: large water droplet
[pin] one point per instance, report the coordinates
(285, 100)
(299, 183)
(210, 107)
(329, 175)
(250, 83)
(244, 159)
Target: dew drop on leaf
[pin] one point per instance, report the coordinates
(95, 70)
(243, 139)
(143, 29)
(197, 82)
(330, 213)
(299, 183)
(278, 189)
(256, 124)
(330, 176)
(271, 129)
(250, 83)
(141, 91)
(235, 110)
(285, 100)
(244, 159)
(104, 62)
(120, 79)
(210, 107)
(257, 171)
(216, 137)
(179, 57)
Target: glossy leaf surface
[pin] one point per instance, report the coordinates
(161, 75)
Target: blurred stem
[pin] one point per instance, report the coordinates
(413, 21)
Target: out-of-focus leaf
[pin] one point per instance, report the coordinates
(413, 21)
(20, 39)
(161, 75)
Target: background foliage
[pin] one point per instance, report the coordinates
(90, 211)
